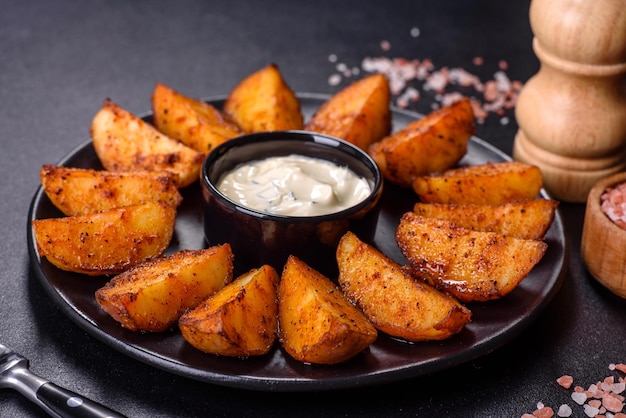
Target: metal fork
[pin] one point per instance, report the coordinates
(56, 401)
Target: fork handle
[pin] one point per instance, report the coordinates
(67, 404)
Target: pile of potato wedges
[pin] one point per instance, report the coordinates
(475, 232)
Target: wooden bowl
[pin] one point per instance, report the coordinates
(603, 245)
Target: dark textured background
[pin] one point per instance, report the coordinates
(59, 60)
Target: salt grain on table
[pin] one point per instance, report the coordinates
(564, 411)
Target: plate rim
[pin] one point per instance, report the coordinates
(293, 384)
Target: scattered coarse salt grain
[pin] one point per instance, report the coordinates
(415, 32)
(543, 411)
(385, 45)
(579, 397)
(334, 79)
(613, 204)
(590, 411)
(564, 411)
(565, 381)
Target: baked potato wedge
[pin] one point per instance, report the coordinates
(431, 144)
(396, 303)
(193, 122)
(153, 295)
(317, 324)
(528, 219)
(125, 142)
(107, 242)
(484, 184)
(359, 113)
(470, 265)
(79, 191)
(263, 101)
(239, 320)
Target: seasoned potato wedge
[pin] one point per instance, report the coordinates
(360, 113)
(193, 122)
(317, 324)
(241, 319)
(395, 302)
(485, 184)
(432, 144)
(471, 265)
(153, 295)
(106, 242)
(528, 219)
(125, 142)
(263, 101)
(79, 191)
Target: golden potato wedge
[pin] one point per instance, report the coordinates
(527, 219)
(79, 191)
(153, 295)
(193, 122)
(393, 301)
(239, 320)
(106, 242)
(432, 144)
(316, 323)
(485, 184)
(125, 142)
(360, 113)
(470, 265)
(263, 101)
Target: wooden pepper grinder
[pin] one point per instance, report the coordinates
(572, 113)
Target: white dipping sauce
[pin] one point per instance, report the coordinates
(294, 185)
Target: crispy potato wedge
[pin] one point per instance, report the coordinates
(317, 323)
(125, 142)
(263, 101)
(395, 302)
(107, 242)
(239, 320)
(193, 122)
(528, 219)
(360, 113)
(485, 184)
(153, 295)
(79, 191)
(470, 265)
(432, 144)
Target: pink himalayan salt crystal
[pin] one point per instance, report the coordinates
(590, 411)
(613, 204)
(579, 397)
(543, 412)
(565, 381)
(612, 403)
(564, 411)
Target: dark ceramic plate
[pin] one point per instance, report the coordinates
(493, 323)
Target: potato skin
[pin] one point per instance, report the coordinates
(125, 142)
(484, 184)
(241, 319)
(193, 122)
(528, 219)
(431, 144)
(360, 113)
(78, 191)
(107, 242)
(470, 265)
(263, 101)
(395, 302)
(317, 323)
(152, 296)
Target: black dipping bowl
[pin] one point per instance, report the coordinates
(259, 238)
